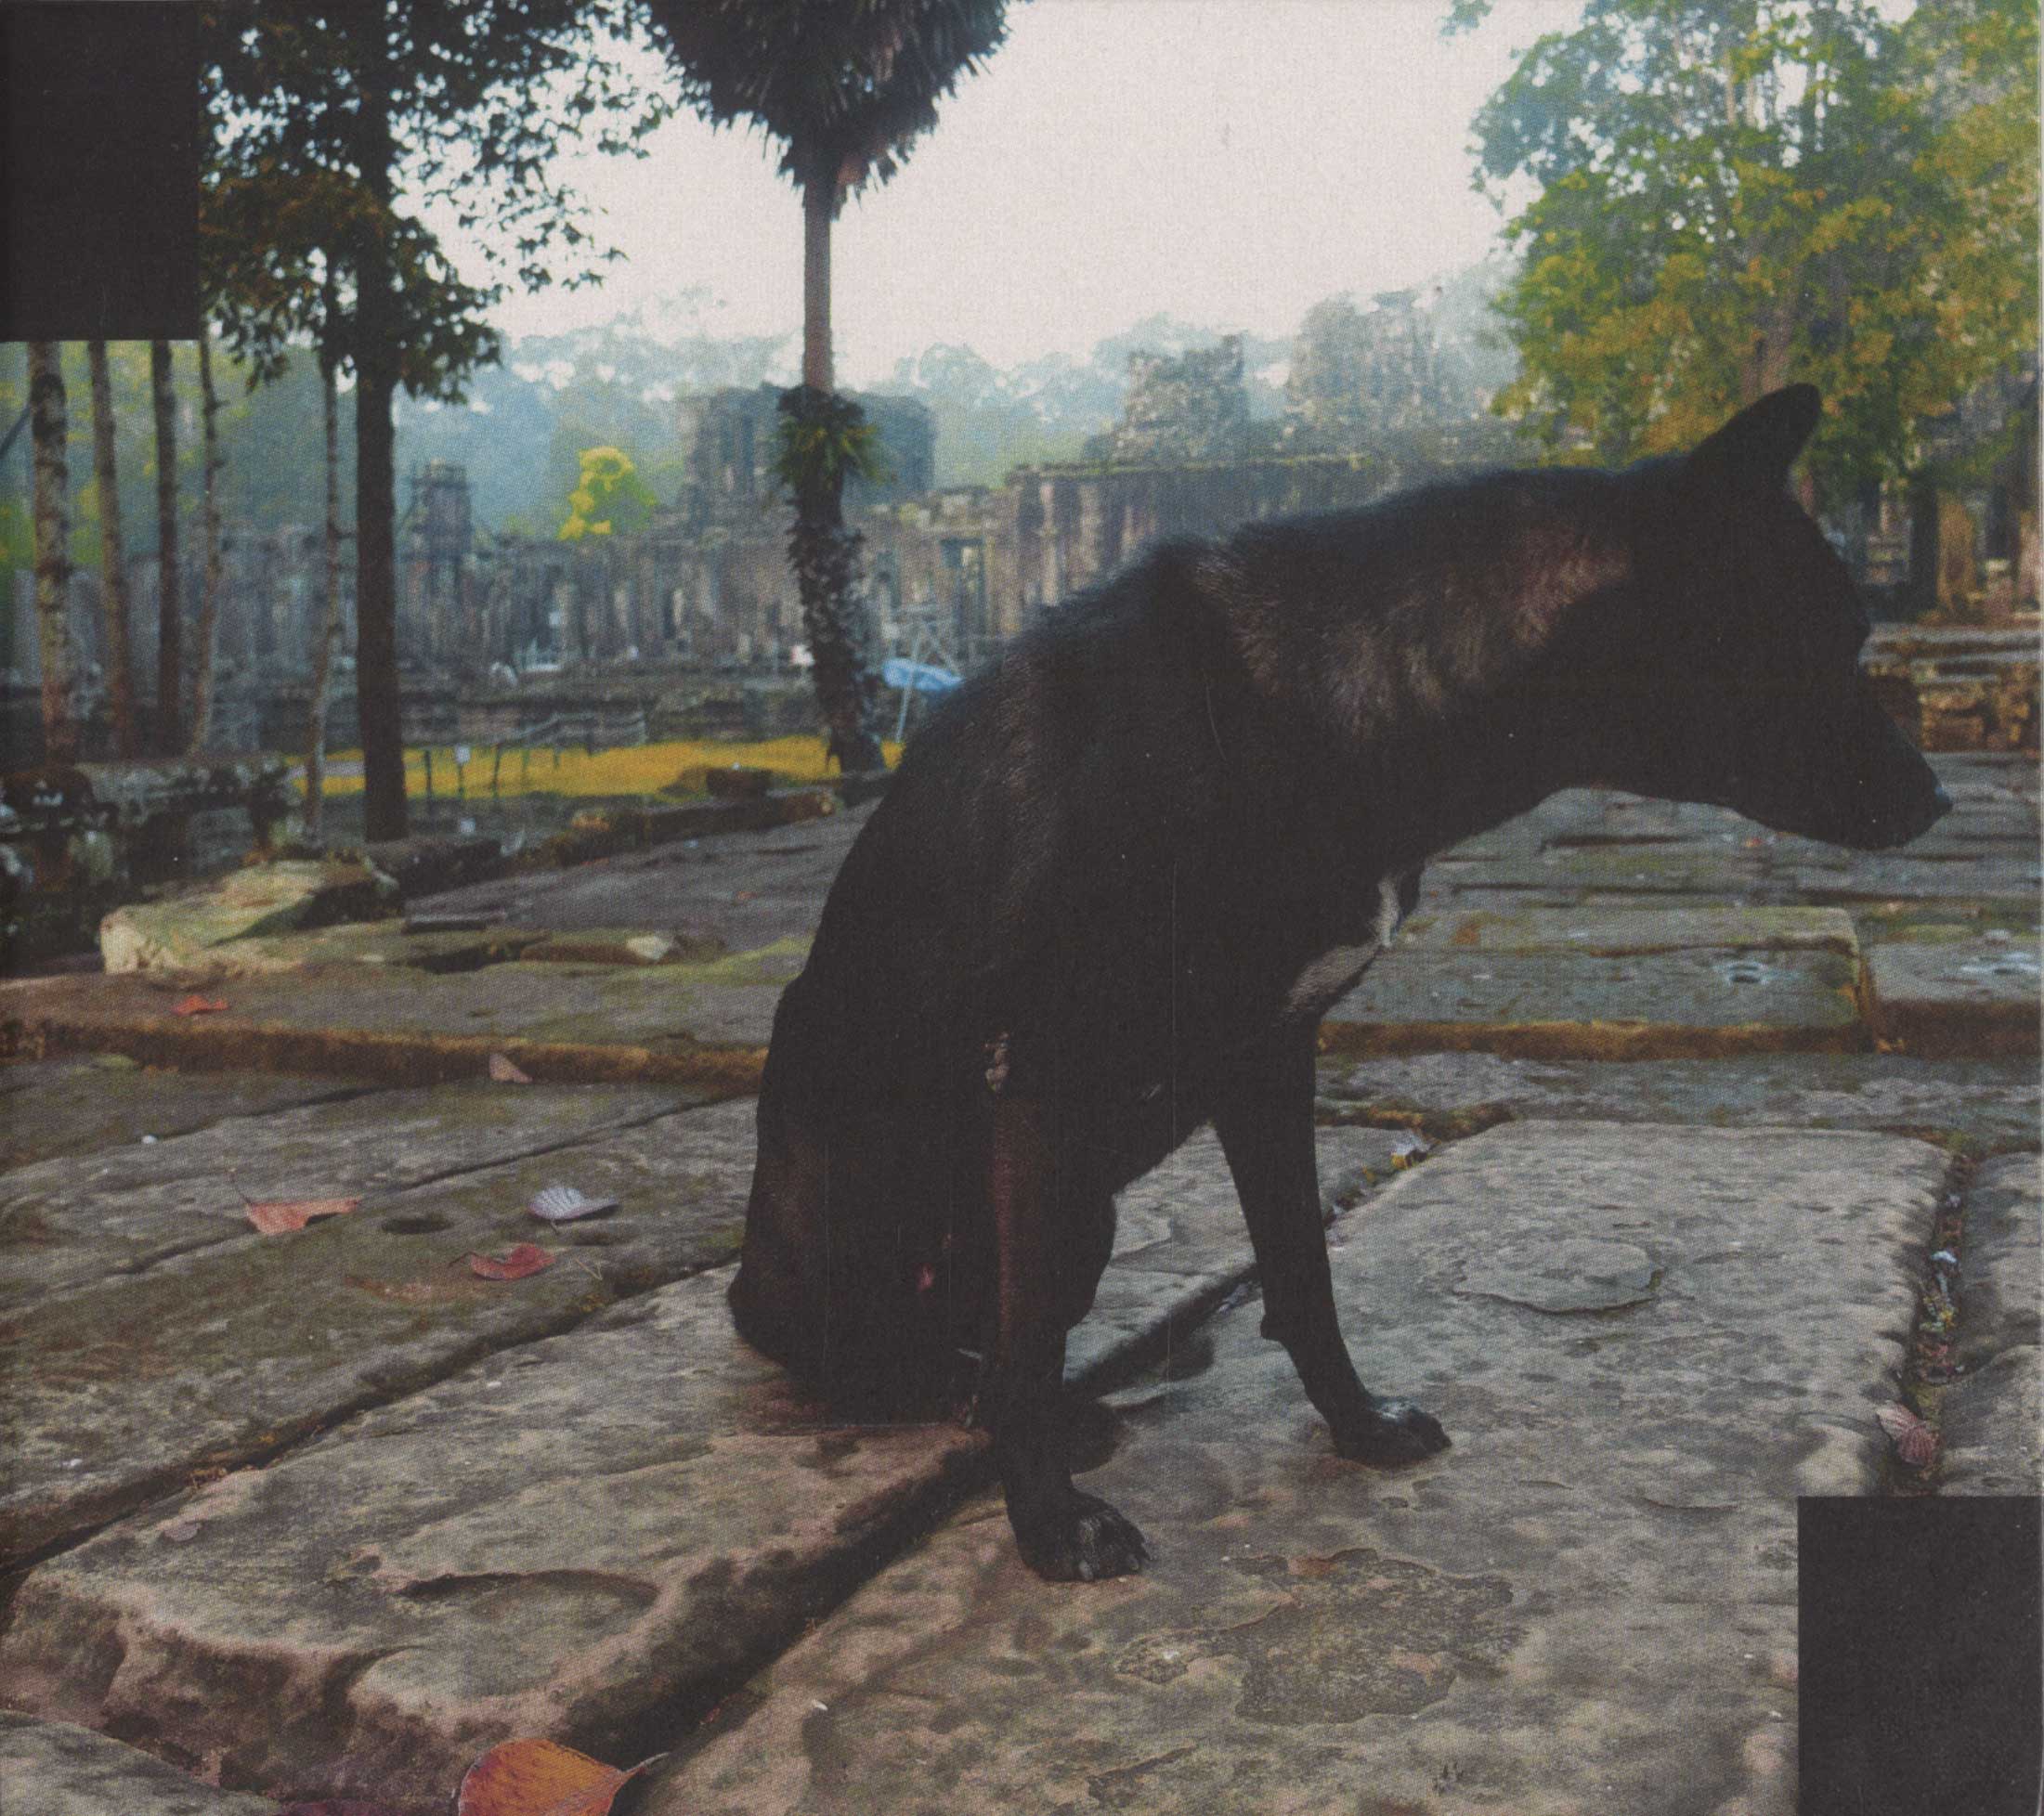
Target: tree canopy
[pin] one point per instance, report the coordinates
(609, 498)
(1734, 192)
(845, 85)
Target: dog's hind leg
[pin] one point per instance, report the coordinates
(1264, 1117)
(1062, 1533)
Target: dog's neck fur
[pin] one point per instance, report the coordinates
(1465, 691)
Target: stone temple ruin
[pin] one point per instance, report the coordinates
(497, 630)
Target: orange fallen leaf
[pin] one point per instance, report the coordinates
(279, 1216)
(525, 1258)
(505, 1073)
(198, 1005)
(541, 1778)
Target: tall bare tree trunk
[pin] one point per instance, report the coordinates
(329, 641)
(169, 618)
(113, 585)
(47, 431)
(377, 690)
(209, 597)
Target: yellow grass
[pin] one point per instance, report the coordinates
(644, 769)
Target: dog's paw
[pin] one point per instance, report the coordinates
(1390, 1432)
(1077, 1537)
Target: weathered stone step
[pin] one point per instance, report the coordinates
(218, 1358)
(1588, 1603)
(582, 1538)
(706, 1024)
(1618, 932)
(1674, 1003)
(1978, 1105)
(54, 1768)
(54, 1107)
(1955, 996)
(82, 1220)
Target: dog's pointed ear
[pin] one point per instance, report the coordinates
(1757, 446)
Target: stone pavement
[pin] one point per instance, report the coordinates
(1639, 1145)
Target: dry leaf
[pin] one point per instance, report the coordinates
(541, 1778)
(527, 1258)
(198, 1005)
(564, 1204)
(505, 1073)
(278, 1216)
(1915, 1442)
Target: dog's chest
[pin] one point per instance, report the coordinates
(1328, 976)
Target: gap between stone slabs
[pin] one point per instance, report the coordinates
(1586, 1605)
(589, 1538)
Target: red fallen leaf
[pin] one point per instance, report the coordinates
(1915, 1442)
(505, 1073)
(527, 1258)
(198, 1005)
(541, 1778)
(279, 1216)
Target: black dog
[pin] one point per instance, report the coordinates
(1122, 873)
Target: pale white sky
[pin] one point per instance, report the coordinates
(1230, 161)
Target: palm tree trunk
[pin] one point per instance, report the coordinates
(823, 553)
(169, 623)
(46, 429)
(330, 628)
(819, 199)
(209, 597)
(114, 584)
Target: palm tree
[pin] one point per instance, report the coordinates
(846, 86)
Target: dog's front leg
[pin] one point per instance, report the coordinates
(1264, 1117)
(1063, 1534)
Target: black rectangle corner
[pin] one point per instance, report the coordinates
(1921, 1644)
(100, 136)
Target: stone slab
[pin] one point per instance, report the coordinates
(1611, 932)
(1586, 1607)
(1657, 1004)
(576, 1539)
(80, 1105)
(700, 1023)
(80, 1220)
(747, 889)
(54, 1768)
(1955, 996)
(1982, 1104)
(1993, 1415)
(221, 1357)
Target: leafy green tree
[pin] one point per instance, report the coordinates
(846, 86)
(1732, 192)
(333, 125)
(609, 497)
